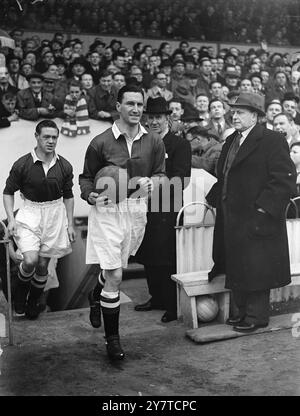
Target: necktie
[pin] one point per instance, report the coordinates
(234, 148)
(37, 101)
(219, 130)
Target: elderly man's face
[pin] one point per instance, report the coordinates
(243, 118)
(158, 122)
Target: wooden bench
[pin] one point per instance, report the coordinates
(193, 284)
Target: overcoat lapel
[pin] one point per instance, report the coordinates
(249, 145)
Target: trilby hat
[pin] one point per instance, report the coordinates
(251, 101)
(157, 106)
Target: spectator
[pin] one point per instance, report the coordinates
(246, 85)
(202, 103)
(215, 89)
(205, 75)
(33, 102)
(160, 88)
(118, 80)
(272, 109)
(16, 79)
(103, 99)
(5, 86)
(284, 123)
(206, 149)
(8, 110)
(87, 84)
(95, 66)
(217, 125)
(289, 104)
(76, 111)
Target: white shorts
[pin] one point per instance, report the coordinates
(42, 227)
(115, 233)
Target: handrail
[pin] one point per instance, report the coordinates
(207, 208)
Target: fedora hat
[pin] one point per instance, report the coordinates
(250, 100)
(157, 106)
(35, 75)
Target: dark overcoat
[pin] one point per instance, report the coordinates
(249, 246)
(159, 244)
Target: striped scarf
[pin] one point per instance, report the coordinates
(78, 124)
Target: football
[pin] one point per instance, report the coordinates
(207, 308)
(112, 181)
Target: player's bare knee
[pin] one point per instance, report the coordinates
(30, 261)
(42, 266)
(113, 279)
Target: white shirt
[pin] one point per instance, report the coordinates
(129, 141)
(46, 167)
(245, 134)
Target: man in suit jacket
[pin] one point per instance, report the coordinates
(33, 102)
(256, 179)
(158, 249)
(218, 125)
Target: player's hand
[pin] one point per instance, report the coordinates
(146, 185)
(12, 228)
(92, 198)
(71, 233)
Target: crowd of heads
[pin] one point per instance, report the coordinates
(274, 21)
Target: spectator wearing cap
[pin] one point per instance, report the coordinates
(8, 109)
(284, 123)
(33, 102)
(16, 79)
(218, 125)
(102, 105)
(5, 86)
(232, 78)
(192, 84)
(95, 66)
(160, 88)
(205, 76)
(289, 104)
(206, 148)
(191, 118)
(59, 91)
(77, 67)
(272, 109)
(178, 74)
(157, 253)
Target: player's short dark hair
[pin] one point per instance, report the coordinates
(45, 123)
(129, 88)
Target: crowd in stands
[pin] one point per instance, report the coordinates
(54, 78)
(274, 21)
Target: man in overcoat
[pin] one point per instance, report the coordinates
(158, 249)
(256, 179)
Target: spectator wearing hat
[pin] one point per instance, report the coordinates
(205, 76)
(160, 87)
(34, 102)
(178, 74)
(272, 109)
(158, 250)
(206, 148)
(231, 78)
(5, 86)
(16, 79)
(183, 93)
(290, 103)
(256, 179)
(192, 84)
(51, 86)
(103, 99)
(218, 125)
(77, 67)
(8, 109)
